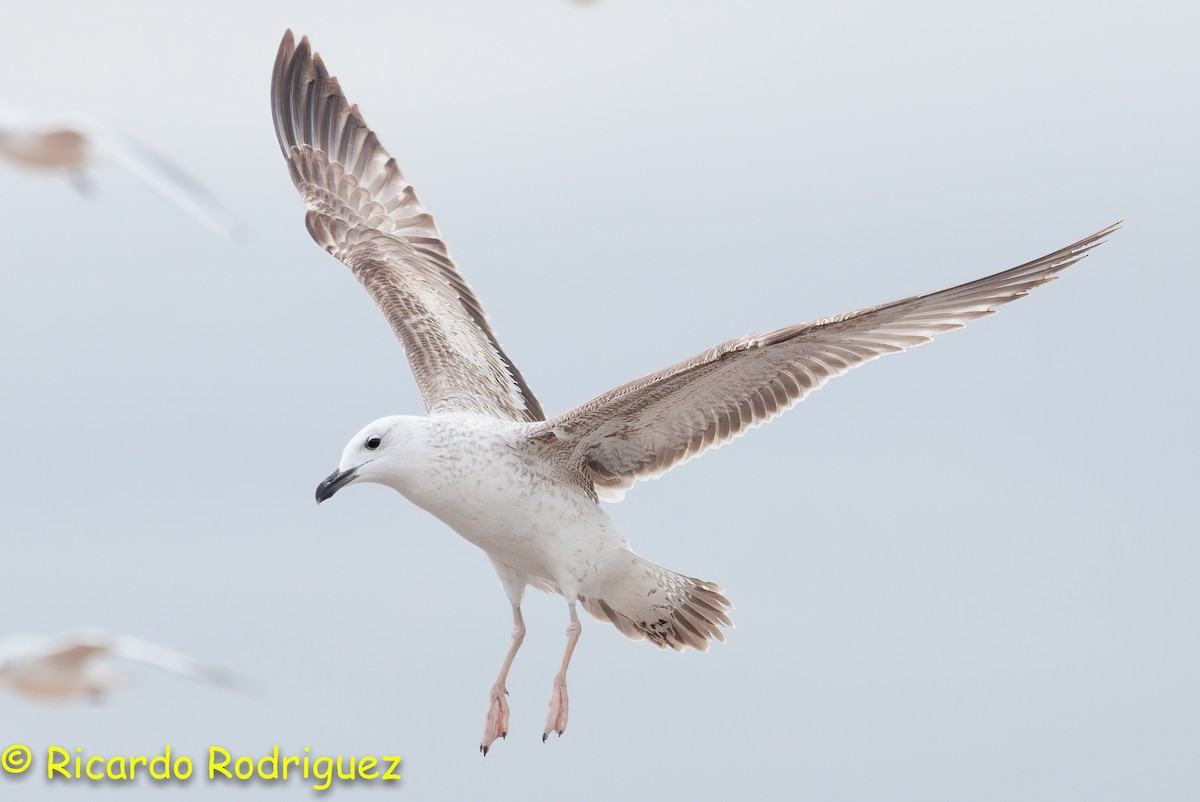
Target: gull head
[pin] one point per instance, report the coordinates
(382, 453)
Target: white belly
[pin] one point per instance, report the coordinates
(529, 522)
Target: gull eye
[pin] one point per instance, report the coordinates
(373, 443)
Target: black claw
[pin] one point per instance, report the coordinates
(483, 749)
(545, 735)
(560, 732)
(504, 735)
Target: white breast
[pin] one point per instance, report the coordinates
(482, 485)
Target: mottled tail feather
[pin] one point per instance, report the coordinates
(644, 600)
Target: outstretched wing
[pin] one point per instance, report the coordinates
(167, 179)
(170, 660)
(364, 212)
(644, 428)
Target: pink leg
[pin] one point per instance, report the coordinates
(556, 719)
(495, 725)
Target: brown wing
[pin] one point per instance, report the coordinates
(646, 427)
(364, 212)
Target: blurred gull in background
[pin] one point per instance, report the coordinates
(488, 463)
(72, 665)
(77, 144)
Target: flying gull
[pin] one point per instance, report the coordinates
(488, 463)
(76, 144)
(72, 665)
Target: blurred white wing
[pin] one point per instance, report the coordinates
(166, 178)
(70, 649)
(170, 660)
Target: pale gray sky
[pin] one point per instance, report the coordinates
(965, 572)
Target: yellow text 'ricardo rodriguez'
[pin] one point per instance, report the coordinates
(323, 770)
